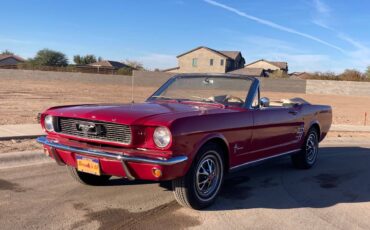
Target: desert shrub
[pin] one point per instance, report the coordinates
(125, 71)
(352, 75)
(278, 74)
(324, 76)
(367, 73)
(135, 64)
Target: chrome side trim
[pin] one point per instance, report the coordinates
(263, 159)
(120, 157)
(272, 147)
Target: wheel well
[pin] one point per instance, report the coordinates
(225, 151)
(317, 127)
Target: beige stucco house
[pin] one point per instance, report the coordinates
(269, 66)
(206, 60)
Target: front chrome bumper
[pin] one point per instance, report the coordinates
(119, 157)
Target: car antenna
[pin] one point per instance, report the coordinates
(132, 89)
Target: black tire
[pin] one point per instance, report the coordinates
(86, 178)
(307, 157)
(199, 187)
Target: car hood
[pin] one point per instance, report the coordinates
(131, 114)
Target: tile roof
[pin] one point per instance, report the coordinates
(110, 64)
(231, 54)
(5, 56)
(281, 65)
(254, 72)
(226, 54)
(169, 69)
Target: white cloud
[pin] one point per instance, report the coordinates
(269, 44)
(321, 23)
(359, 57)
(14, 41)
(321, 7)
(308, 62)
(156, 60)
(273, 24)
(321, 14)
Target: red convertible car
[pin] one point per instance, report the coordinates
(192, 131)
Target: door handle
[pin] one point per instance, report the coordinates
(293, 112)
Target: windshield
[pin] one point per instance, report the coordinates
(228, 91)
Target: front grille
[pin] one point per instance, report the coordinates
(95, 130)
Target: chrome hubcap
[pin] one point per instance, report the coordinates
(208, 176)
(311, 148)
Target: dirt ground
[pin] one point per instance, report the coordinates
(21, 99)
(19, 145)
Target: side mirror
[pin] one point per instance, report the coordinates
(265, 102)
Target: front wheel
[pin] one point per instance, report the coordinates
(200, 186)
(308, 155)
(86, 178)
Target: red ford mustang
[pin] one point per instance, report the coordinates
(192, 131)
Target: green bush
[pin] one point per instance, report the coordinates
(47, 57)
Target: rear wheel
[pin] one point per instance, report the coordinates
(86, 178)
(308, 155)
(200, 186)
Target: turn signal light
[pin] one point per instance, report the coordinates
(156, 172)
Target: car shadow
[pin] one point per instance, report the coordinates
(116, 181)
(340, 176)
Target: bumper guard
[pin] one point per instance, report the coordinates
(120, 157)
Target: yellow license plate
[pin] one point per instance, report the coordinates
(88, 165)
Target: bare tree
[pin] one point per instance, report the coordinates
(7, 52)
(84, 60)
(134, 64)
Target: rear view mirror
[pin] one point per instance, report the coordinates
(265, 102)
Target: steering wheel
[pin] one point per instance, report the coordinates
(233, 99)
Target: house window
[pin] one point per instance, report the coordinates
(222, 62)
(210, 61)
(195, 62)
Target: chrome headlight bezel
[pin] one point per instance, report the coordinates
(49, 123)
(162, 137)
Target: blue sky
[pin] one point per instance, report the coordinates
(323, 35)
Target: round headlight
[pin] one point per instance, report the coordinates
(48, 123)
(162, 137)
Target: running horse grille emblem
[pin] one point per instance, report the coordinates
(88, 128)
